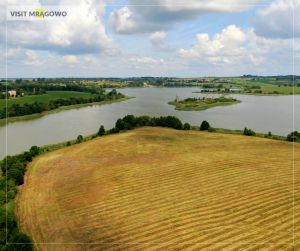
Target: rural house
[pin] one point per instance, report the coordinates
(12, 93)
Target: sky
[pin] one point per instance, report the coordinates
(132, 38)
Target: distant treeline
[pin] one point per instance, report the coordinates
(39, 107)
(37, 88)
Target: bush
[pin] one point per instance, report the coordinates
(24, 242)
(248, 132)
(186, 126)
(144, 121)
(114, 130)
(79, 139)
(130, 122)
(293, 136)
(34, 151)
(14, 167)
(211, 129)
(120, 124)
(101, 131)
(204, 126)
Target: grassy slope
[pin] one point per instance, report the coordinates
(157, 189)
(198, 105)
(45, 98)
(268, 86)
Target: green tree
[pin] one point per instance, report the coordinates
(24, 240)
(101, 131)
(204, 126)
(293, 136)
(2, 197)
(79, 139)
(186, 126)
(120, 124)
(248, 132)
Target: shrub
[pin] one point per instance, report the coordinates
(204, 126)
(120, 124)
(293, 136)
(23, 240)
(114, 130)
(144, 121)
(173, 122)
(101, 131)
(186, 126)
(248, 132)
(130, 121)
(79, 139)
(211, 129)
(34, 151)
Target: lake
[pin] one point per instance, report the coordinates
(260, 113)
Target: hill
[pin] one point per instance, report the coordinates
(163, 189)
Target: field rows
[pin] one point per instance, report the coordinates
(160, 189)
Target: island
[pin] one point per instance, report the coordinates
(198, 104)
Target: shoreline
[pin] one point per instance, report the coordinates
(251, 94)
(62, 108)
(71, 142)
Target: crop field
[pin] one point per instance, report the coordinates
(44, 98)
(162, 189)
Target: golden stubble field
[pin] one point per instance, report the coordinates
(162, 189)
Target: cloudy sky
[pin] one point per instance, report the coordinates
(184, 38)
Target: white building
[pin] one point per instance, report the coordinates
(12, 93)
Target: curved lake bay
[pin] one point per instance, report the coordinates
(260, 113)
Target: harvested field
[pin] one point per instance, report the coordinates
(162, 189)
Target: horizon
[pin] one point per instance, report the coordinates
(128, 77)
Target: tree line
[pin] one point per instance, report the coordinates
(13, 169)
(38, 107)
(26, 87)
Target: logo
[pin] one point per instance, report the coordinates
(34, 13)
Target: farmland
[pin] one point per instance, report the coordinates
(44, 98)
(162, 189)
(32, 106)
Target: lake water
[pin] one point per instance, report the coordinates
(260, 113)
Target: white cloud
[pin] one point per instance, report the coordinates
(25, 56)
(158, 41)
(121, 20)
(276, 21)
(82, 32)
(32, 58)
(151, 15)
(234, 50)
(226, 47)
(143, 60)
(70, 59)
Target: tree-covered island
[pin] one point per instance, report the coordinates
(198, 104)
